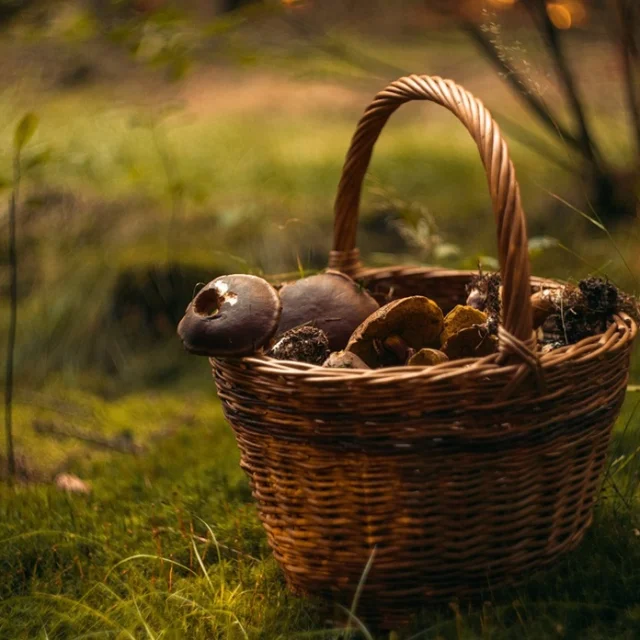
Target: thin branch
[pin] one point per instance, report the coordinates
(538, 11)
(627, 15)
(518, 83)
(13, 320)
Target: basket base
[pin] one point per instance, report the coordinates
(384, 614)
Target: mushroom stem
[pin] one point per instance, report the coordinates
(398, 347)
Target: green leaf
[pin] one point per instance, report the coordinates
(24, 131)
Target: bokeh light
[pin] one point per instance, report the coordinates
(560, 15)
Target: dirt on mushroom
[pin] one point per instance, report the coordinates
(302, 344)
(485, 294)
(574, 313)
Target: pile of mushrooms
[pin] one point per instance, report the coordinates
(305, 320)
(330, 320)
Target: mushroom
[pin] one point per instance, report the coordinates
(471, 342)
(485, 294)
(461, 317)
(344, 360)
(232, 315)
(427, 357)
(331, 300)
(476, 299)
(302, 344)
(544, 303)
(391, 334)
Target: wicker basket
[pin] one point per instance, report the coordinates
(461, 476)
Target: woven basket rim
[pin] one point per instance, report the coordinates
(621, 331)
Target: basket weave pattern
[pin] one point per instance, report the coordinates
(461, 476)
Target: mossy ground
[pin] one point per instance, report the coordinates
(168, 544)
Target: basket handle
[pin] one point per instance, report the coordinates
(505, 193)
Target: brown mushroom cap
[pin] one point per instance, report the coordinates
(461, 317)
(233, 315)
(332, 301)
(417, 320)
(472, 342)
(427, 357)
(543, 304)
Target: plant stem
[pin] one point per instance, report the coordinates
(173, 188)
(13, 321)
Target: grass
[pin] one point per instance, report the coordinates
(168, 544)
(132, 556)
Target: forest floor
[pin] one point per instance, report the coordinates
(168, 545)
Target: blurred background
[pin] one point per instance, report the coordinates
(177, 141)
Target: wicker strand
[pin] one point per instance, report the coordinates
(527, 355)
(346, 261)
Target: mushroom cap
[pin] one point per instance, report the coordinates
(332, 301)
(232, 315)
(543, 304)
(485, 293)
(344, 360)
(471, 342)
(427, 357)
(476, 299)
(461, 317)
(416, 319)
